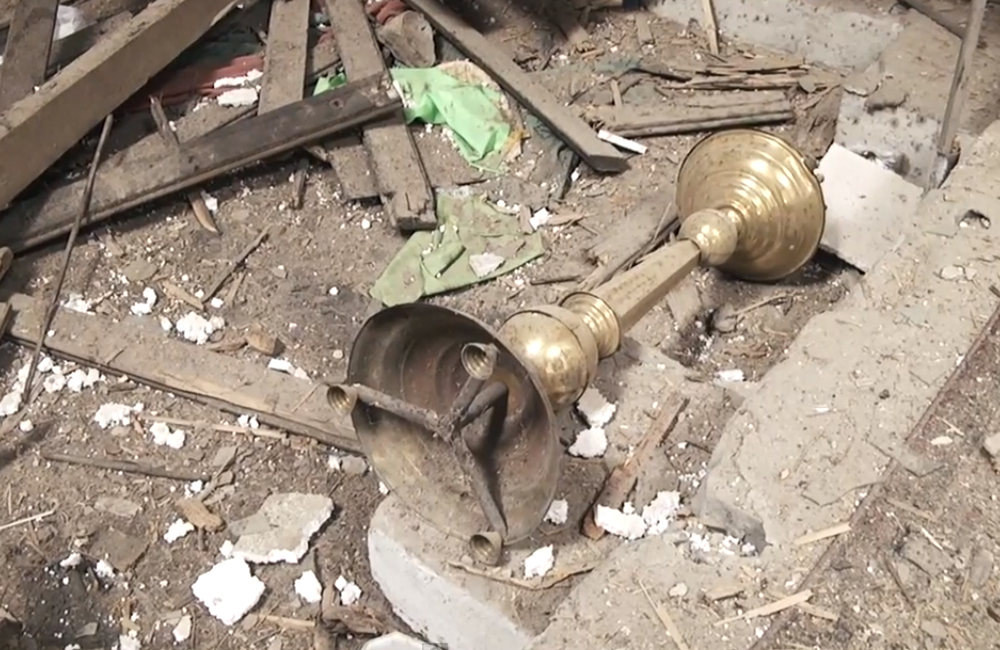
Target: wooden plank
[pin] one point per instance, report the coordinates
(445, 167)
(66, 49)
(402, 181)
(26, 54)
(39, 129)
(95, 10)
(139, 349)
(285, 59)
(21, 222)
(577, 135)
(285, 70)
(207, 157)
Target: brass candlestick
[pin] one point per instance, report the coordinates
(458, 419)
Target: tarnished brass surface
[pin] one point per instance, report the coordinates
(748, 204)
(765, 187)
(414, 353)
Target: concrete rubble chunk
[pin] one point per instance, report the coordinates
(447, 606)
(864, 201)
(117, 506)
(280, 531)
(410, 39)
(992, 445)
(228, 590)
(981, 568)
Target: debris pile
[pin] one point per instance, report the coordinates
(469, 151)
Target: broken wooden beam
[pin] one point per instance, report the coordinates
(285, 69)
(26, 54)
(205, 158)
(37, 130)
(285, 57)
(402, 182)
(444, 165)
(322, 57)
(696, 115)
(139, 349)
(570, 128)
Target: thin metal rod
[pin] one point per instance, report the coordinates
(958, 94)
(88, 191)
(400, 408)
(487, 398)
(480, 484)
(466, 396)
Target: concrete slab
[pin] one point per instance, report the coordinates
(921, 82)
(609, 608)
(802, 450)
(397, 641)
(863, 201)
(836, 37)
(447, 605)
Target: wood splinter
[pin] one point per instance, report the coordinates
(624, 477)
(128, 466)
(198, 205)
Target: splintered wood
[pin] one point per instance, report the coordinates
(624, 477)
(61, 114)
(401, 179)
(46, 217)
(143, 353)
(694, 115)
(208, 157)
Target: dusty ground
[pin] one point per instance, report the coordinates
(918, 571)
(285, 287)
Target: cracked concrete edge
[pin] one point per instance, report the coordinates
(833, 37)
(445, 605)
(798, 455)
(609, 608)
(922, 82)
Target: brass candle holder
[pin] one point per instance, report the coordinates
(458, 419)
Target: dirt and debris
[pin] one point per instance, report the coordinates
(918, 569)
(173, 474)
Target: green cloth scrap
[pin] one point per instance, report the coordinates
(471, 111)
(330, 82)
(437, 261)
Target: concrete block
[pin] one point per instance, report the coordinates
(864, 202)
(449, 607)
(836, 38)
(923, 82)
(413, 564)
